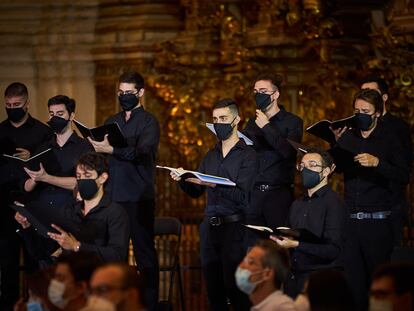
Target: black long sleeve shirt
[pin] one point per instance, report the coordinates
(30, 135)
(276, 157)
(370, 189)
(240, 166)
(64, 160)
(103, 231)
(132, 169)
(323, 214)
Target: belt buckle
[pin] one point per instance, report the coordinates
(215, 221)
(360, 215)
(264, 188)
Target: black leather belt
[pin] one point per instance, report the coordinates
(219, 220)
(375, 215)
(265, 187)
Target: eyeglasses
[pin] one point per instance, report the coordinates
(310, 165)
(265, 92)
(120, 93)
(104, 289)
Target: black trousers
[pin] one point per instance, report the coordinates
(141, 216)
(269, 208)
(222, 248)
(9, 269)
(369, 244)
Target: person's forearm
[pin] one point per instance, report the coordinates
(68, 183)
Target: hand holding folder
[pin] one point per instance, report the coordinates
(199, 178)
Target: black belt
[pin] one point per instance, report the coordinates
(219, 220)
(375, 215)
(264, 187)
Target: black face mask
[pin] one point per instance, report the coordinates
(57, 124)
(363, 121)
(128, 101)
(15, 114)
(87, 188)
(223, 130)
(309, 178)
(263, 100)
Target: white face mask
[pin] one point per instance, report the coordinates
(302, 303)
(380, 305)
(96, 303)
(55, 293)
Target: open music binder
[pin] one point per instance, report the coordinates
(203, 177)
(301, 235)
(115, 136)
(322, 129)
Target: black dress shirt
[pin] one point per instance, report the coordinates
(132, 169)
(61, 163)
(30, 135)
(240, 166)
(323, 214)
(276, 157)
(400, 130)
(103, 231)
(370, 189)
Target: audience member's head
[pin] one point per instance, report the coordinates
(392, 288)
(328, 290)
(265, 267)
(37, 284)
(69, 287)
(119, 284)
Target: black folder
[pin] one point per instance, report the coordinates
(33, 163)
(301, 235)
(322, 129)
(115, 136)
(40, 225)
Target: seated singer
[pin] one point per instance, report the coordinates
(222, 236)
(320, 211)
(95, 224)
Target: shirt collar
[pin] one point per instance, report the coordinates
(104, 202)
(135, 111)
(271, 299)
(239, 145)
(319, 193)
(280, 115)
(30, 121)
(74, 138)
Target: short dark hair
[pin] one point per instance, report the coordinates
(274, 78)
(229, 103)
(382, 84)
(69, 103)
(94, 161)
(16, 89)
(276, 258)
(372, 97)
(81, 265)
(402, 274)
(132, 77)
(327, 160)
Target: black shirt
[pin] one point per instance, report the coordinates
(276, 157)
(401, 131)
(132, 169)
(323, 214)
(103, 231)
(370, 189)
(62, 164)
(30, 135)
(240, 166)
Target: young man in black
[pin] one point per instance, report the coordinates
(54, 183)
(132, 176)
(222, 236)
(401, 131)
(272, 193)
(373, 162)
(20, 135)
(92, 225)
(320, 211)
